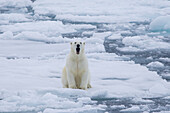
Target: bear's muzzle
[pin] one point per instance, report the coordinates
(77, 50)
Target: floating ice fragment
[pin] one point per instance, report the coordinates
(161, 23)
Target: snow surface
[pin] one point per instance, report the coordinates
(33, 49)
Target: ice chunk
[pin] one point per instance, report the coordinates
(102, 106)
(165, 59)
(140, 100)
(161, 23)
(155, 65)
(118, 106)
(144, 43)
(133, 109)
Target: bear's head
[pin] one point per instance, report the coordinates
(77, 47)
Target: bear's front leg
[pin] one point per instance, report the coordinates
(84, 81)
(71, 81)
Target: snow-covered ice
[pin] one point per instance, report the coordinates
(33, 69)
(34, 42)
(107, 11)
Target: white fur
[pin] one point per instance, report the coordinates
(76, 73)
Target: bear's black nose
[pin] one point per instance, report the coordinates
(78, 45)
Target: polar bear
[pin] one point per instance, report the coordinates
(76, 73)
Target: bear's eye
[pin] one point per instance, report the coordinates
(74, 42)
(80, 42)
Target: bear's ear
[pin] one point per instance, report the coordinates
(71, 43)
(84, 43)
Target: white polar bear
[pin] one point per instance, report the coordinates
(76, 73)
